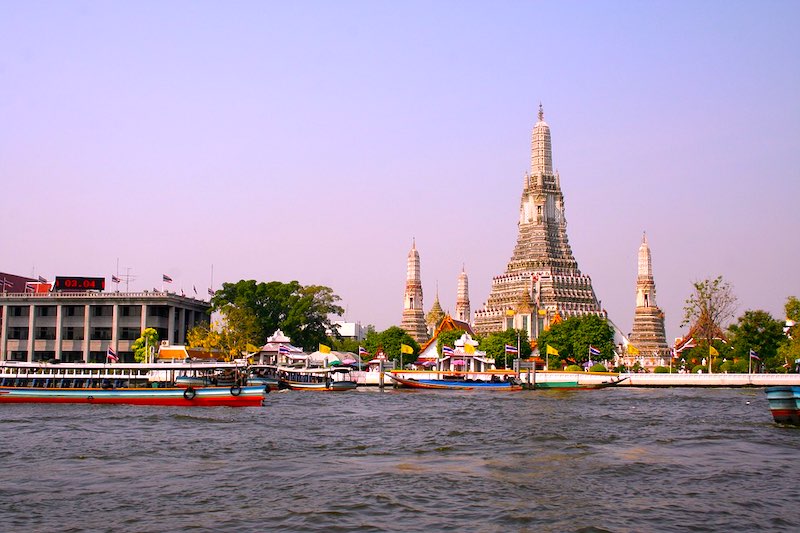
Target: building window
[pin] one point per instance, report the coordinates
(73, 310)
(101, 334)
(17, 310)
(130, 310)
(158, 310)
(72, 334)
(18, 356)
(102, 310)
(18, 333)
(129, 334)
(45, 333)
(46, 310)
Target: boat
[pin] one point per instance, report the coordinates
(784, 403)
(575, 384)
(455, 384)
(316, 379)
(124, 383)
(265, 375)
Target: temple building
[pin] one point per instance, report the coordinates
(542, 279)
(413, 316)
(434, 316)
(463, 312)
(648, 339)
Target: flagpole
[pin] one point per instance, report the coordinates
(750, 361)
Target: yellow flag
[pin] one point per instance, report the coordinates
(542, 312)
(712, 351)
(510, 312)
(551, 350)
(405, 348)
(324, 349)
(468, 348)
(633, 350)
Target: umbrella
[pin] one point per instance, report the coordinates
(429, 363)
(459, 362)
(335, 362)
(348, 360)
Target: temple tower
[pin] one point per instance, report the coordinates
(413, 316)
(463, 312)
(648, 322)
(435, 315)
(542, 278)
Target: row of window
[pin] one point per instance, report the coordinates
(77, 333)
(96, 310)
(68, 356)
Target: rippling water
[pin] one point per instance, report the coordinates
(604, 460)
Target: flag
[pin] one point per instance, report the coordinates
(283, 349)
(324, 349)
(510, 312)
(362, 351)
(405, 348)
(210, 292)
(633, 350)
(42, 280)
(182, 293)
(712, 351)
(115, 279)
(469, 349)
(511, 349)
(551, 350)
(7, 283)
(754, 355)
(446, 350)
(593, 351)
(111, 355)
(194, 287)
(166, 279)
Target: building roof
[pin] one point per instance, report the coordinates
(448, 323)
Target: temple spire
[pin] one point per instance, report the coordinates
(413, 317)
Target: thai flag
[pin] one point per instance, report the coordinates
(511, 349)
(210, 292)
(283, 349)
(111, 355)
(362, 351)
(195, 289)
(593, 351)
(446, 350)
(754, 355)
(7, 283)
(166, 279)
(115, 279)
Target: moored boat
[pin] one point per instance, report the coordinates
(784, 404)
(455, 384)
(121, 383)
(316, 379)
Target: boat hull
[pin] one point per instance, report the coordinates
(454, 384)
(334, 386)
(184, 397)
(784, 404)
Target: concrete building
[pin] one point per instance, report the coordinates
(82, 326)
(542, 279)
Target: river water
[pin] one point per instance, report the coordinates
(605, 460)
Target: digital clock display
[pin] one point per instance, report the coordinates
(76, 284)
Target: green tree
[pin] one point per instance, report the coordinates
(760, 332)
(389, 341)
(303, 313)
(232, 338)
(142, 345)
(494, 345)
(789, 350)
(572, 339)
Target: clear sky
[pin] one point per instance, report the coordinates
(314, 140)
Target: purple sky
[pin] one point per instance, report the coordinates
(314, 140)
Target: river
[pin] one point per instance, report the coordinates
(616, 460)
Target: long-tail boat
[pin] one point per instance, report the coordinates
(456, 384)
(784, 403)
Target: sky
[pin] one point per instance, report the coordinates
(312, 141)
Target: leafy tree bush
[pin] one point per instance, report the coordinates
(574, 368)
(699, 369)
(494, 345)
(661, 370)
(572, 338)
(598, 367)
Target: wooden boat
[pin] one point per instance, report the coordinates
(574, 384)
(455, 384)
(784, 403)
(316, 379)
(266, 375)
(120, 383)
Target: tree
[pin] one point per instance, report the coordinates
(234, 336)
(303, 313)
(389, 341)
(448, 338)
(142, 345)
(789, 351)
(572, 339)
(711, 304)
(760, 332)
(494, 345)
